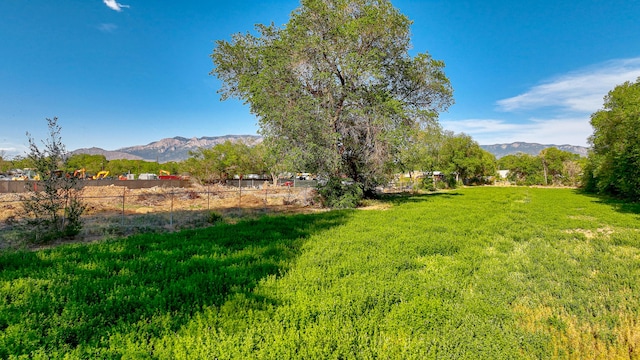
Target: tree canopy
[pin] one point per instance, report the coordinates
(225, 160)
(551, 166)
(614, 161)
(462, 156)
(336, 85)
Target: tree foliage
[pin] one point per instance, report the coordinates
(524, 169)
(420, 150)
(91, 163)
(53, 206)
(336, 84)
(559, 167)
(224, 160)
(462, 156)
(614, 161)
(551, 166)
(5, 165)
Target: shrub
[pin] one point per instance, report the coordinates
(427, 184)
(214, 218)
(338, 193)
(53, 205)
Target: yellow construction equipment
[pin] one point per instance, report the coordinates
(101, 175)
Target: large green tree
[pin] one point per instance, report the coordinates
(462, 156)
(337, 84)
(558, 166)
(420, 150)
(614, 160)
(223, 161)
(524, 169)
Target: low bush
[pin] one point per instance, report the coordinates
(338, 193)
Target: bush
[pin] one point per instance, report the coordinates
(214, 218)
(53, 206)
(427, 184)
(337, 193)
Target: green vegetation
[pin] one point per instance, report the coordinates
(54, 210)
(614, 162)
(550, 167)
(466, 160)
(223, 161)
(335, 90)
(492, 273)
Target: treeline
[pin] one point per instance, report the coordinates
(550, 167)
(92, 164)
(457, 157)
(221, 162)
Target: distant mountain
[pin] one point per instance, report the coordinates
(110, 155)
(500, 150)
(169, 149)
(177, 148)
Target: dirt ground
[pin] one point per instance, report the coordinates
(117, 211)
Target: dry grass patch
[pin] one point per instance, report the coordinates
(572, 338)
(591, 234)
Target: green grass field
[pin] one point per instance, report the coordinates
(477, 273)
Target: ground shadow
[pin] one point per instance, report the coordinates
(78, 295)
(619, 205)
(407, 197)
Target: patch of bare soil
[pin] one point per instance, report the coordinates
(114, 211)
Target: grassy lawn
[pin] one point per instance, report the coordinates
(477, 273)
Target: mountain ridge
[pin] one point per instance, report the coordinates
(168, 149)
(501, 150)
(177, 148)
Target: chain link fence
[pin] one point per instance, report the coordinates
(119, 211)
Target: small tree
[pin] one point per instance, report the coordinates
(52, 204)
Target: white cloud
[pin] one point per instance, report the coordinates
(557, 131)
(112, 4)
(557, 111)
(9, 150)
(579, 92)
(107, 28)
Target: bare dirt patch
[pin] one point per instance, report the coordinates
(114, 211)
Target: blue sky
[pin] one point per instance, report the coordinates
(123, 74)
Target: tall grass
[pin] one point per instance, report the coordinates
(495, 273)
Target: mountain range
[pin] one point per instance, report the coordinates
(177, 148)
(500, 150)
(169, 149)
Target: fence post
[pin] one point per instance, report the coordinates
(171, 211)
(124, 191)
(266, 191)
(239, 195)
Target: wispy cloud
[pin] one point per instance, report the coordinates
(107, 28)
(559, 131)
(114, 5)
(579, 92)
(10, 150)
